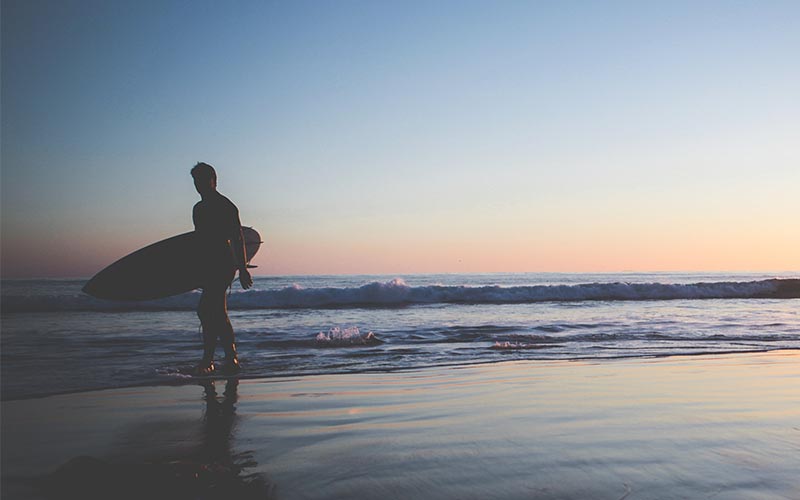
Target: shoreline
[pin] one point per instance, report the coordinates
(639, 427)
(399, 370)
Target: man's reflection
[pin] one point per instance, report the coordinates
(212, 469)
(218, 422)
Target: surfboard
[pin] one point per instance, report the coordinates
(168, 267)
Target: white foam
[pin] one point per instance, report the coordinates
(347, 337)
(513, 346)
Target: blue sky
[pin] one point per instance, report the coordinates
(393, 137)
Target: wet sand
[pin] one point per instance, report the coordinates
(684, 427)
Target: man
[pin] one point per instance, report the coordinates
(216, 222)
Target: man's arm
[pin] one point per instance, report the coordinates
(239, 255)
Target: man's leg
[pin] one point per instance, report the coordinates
(227, 339)
(205, 311)
(213, 312)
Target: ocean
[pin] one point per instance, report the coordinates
(55, 339)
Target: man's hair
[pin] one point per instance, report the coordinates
(204, 171)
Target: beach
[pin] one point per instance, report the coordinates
(442, 250)
(724, 426)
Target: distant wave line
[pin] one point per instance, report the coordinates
(396, 293)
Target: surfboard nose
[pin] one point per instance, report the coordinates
(95, 287)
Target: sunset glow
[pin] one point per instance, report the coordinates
(406, 138)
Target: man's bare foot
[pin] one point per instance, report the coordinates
(204, 369)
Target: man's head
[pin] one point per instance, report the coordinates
(205, 178)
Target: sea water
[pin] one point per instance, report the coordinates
(56, 339)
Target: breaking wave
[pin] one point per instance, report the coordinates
(396, 293)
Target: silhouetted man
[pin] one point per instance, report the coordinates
(216, 222)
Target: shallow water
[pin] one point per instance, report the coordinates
(56, 339)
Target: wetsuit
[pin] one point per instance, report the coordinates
(216, 222)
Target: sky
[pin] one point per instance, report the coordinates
(406, 137)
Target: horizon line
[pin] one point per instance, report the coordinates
(400, 275)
